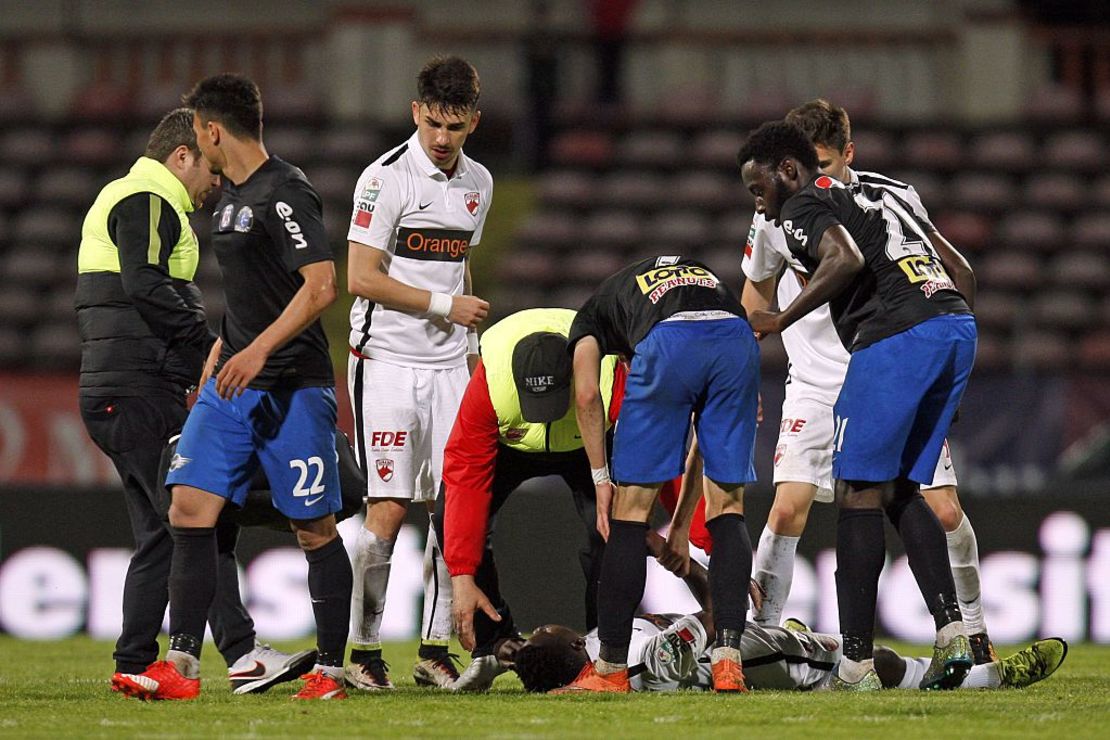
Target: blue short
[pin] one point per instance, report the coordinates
(708, 369)
(291, 434)
(898, 400)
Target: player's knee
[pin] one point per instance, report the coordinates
(314, 535)
(787, 518)
(384, 517)
(856, 495)
(946, 506)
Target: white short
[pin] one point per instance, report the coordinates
(403, 417)
(803, 453)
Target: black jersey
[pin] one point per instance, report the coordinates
(638, 297)
(903, 282)
(264, 230)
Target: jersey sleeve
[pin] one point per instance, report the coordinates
(379, 200)
(805, 218)
(761, 261)
(586, 324)
(484, 206)
(670, 658)
(469, 461)
(294, 222)
(913, 200)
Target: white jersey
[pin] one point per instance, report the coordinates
(426, 223)
(669, 652)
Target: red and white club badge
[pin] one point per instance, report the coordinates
(824, 182)
(385, 469)
(471, 201)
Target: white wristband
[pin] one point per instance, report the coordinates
(601, 475)
(472, 342)
(440, 304)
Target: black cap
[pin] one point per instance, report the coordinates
(542, 370)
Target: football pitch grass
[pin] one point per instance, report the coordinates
(60, 689)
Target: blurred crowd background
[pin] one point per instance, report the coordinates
(611, 128)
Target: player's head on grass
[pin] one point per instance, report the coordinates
(446, 108)
(776, 161)
(552, 657)
(174, 143)
(225, 106)
(830, 130)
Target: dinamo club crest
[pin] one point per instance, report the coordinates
(471, 201)
(385, 469)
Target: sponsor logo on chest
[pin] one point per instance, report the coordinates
(655, 283)
(440, 245)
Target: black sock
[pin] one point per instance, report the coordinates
(431, 652)
(192, 586)
(860, 552)
(730, 570)
(623, 571)
(329, 584)
(927, 551)
(365, 656)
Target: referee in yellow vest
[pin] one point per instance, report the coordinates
(144, 341)
(516, 422)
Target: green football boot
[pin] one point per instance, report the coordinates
(869, 682)
(1035, 663)
(949, 666)
(795, 625)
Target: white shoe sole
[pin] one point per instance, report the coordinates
(297, 665)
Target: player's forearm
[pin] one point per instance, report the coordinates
(835, 272)
(308, 303)
(957, 267)
(590, 411)
(691, 491)
(388, 292)
(757, 296)
(698, 583)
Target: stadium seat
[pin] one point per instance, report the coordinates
(707, 190)
(1057, 191)
(351, 146)
(590, 268)
(1054, 103)
(634, 189)
(997, 310)
(1058, 309)
(582, 148)
(875, 150)
(1011, 151)
(55, 346)
(662, 149)
(930, 187)
(1101, 191)
(967, 230)
(567, 188)
(34, 267)
(334, 182)
(1092, 231)
(1081, 269)
(33, 147)
(19, 305)
(570, 296)
(716, 148)
(550, 229)
(992, 352)
(91, 146)
(1094, 351)
(529, 267)
(1039, 231)
(1075, 149)
(983, 191)
(13, 353)
(67, 186)
(618, 230)
(733, 227)
(1044, 351)
(14, 187)
(297, 144)
(1011, 270)
(48, 224)
(682, 229)
(933, 150)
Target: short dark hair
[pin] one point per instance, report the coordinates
(232, 100)
(449, 83)
(174, 130)
(774, 141)
(546, 666)
(824, 123)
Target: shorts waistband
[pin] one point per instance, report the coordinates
(700, 316)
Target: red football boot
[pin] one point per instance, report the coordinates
(161, 680)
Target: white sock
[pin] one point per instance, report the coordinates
(853, 671)
(373, 556)
(604, 667)
(435, 627)
(963, 551)
(187, 665)
(331, 671)
(773, 569)
(949, 631)
(915, 671)
(985, 676)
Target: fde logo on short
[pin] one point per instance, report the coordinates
(388, 439)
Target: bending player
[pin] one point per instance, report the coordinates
(818, 362)
(670, 652)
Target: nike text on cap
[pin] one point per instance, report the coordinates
(542, 372)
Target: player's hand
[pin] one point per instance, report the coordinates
(467, 599)
(238, 372)
(468, 311)
(675, 554)
(757, 594)
(764, 322)
(604, 493)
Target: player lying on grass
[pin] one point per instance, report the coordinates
(671, 652)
